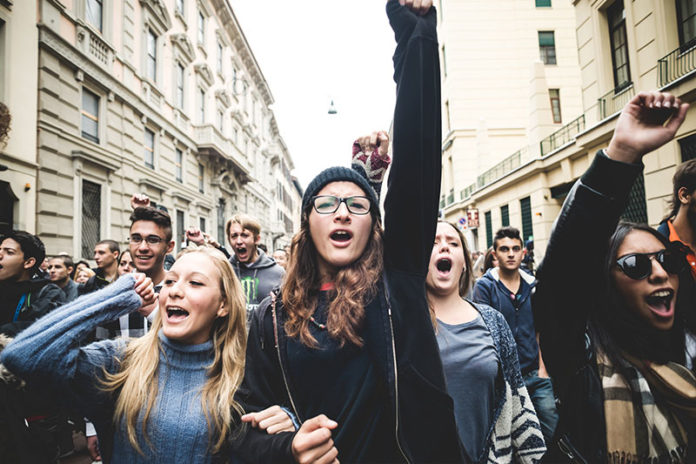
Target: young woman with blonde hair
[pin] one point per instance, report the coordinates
(167, 396)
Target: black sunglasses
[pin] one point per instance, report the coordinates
(638, 266)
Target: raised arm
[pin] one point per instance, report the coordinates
(574, 259)
(411, 203)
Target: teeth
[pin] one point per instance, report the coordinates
(661, 294)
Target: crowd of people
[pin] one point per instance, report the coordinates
(378, 336)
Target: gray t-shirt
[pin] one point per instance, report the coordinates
(471, 368)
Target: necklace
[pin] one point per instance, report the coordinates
(319, 325)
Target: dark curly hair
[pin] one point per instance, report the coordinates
(5, 120)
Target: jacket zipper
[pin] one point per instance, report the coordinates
(396, 383)
(280, 363)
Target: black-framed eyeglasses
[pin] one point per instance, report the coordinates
(150, 239)
(329, 204)
(638, 266)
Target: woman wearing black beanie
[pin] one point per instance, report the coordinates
(347, 344)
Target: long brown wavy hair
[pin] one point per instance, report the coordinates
(355, 286)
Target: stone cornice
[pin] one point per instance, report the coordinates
(182, 42)
(159, 13)
(203, 70)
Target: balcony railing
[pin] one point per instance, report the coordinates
(615, 100)
(675, 65)
(467, 192)
(450, 197)
(501, 169)
(563, 135)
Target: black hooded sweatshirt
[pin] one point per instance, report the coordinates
(38, 296)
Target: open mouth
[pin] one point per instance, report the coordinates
(444, 265)
(660, 302)
(341, 236)
(176, 314)
(241, 251)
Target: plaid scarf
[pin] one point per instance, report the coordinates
(639, 430)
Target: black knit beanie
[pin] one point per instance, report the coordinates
(338, 174)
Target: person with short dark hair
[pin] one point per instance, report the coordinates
(509, 290)
(680, 225)
(25, 297)
(59, 269)
(106, 253)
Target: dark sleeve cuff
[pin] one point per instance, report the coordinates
(610, 177)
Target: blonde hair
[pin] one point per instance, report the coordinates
(247, 222)
(136, 382)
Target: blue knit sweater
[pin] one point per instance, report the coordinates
(49, 354)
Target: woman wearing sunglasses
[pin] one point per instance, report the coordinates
(348, 344)
(609, 311)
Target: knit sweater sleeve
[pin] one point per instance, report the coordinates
(49, 353)
(411, 203)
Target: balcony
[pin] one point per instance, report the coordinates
(501, 169)
(467, 192)
(208, 139)
(562, 136)
(450, 197)
(678, 63)
(615, 100)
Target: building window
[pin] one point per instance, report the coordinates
(201, 178)
(90, 115)
(547, 47)
(555, 97)
(688, 148)
(505, 215)
(616, 16)
(543, 3)
(489, 229)
(201, 222)
(151, 59)
(91, 217)
(526, 210)
(180, 229)
(93, 13)
(444, 61)
(447, 115)
(201, 28)
(149, 148)
(220, 119)
(201, 106)
(219, 57)
(221, 221)
(179, 85)
(686, 21)
(180, 7)
(636, 208)
(178, 163)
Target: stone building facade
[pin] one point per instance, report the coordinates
(163, 97)
(623, 47)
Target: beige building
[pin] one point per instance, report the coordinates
(18, 77)
(623, 47)
(510, 78)
(162, 97)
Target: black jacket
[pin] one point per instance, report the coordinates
(96, 282)
(401, 333)
(40, 297)
(569, 287)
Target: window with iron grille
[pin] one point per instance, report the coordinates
(180, 229)
(179, 85)
(505, 215)
(547, 47)
(180, 6)
(90, 115)
(555, 97)
(616, 16)
(219, 57)
(543, 3)
(636, 208)
(688, 148)
(221, 221)
(489, 229)
(201, 224)
(686, 22)
(91, 217)
(151, 58)
(201, 28)
(93, 13)
(178, 164)
(149, 146)
(526, 211)
(220, 119)
(201, 178)
(7, 203)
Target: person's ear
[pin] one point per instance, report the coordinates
(170, 246)
(29, 263)
(257, 239)
(70, 269)
(222, 310)
(683, 196)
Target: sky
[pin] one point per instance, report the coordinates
(312, 52)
